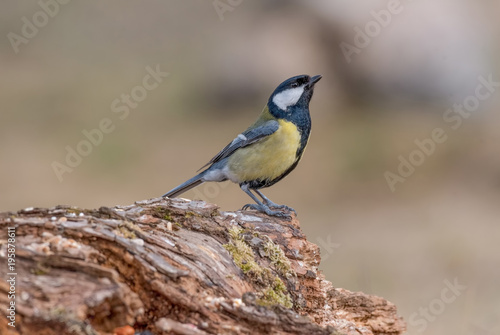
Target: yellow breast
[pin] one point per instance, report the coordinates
(266, 159)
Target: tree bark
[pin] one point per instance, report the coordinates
(172, 267)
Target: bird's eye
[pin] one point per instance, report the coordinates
(294, 85)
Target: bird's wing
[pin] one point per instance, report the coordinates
(244, 139)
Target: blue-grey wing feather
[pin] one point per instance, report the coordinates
(250, 136)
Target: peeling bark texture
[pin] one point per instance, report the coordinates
(174, 266)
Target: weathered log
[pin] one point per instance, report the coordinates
(173, 267)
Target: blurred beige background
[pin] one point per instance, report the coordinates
(392, 70)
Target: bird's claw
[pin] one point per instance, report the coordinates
(267, 210)
(248, 206)
(276, 206)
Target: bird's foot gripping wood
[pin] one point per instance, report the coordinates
(265, 209)
(271, 204)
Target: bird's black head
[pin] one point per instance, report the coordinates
(292, 95)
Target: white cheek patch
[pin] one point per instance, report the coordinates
(288, 98)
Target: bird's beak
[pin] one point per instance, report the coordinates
(314, 80)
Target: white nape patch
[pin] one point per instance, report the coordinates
(288, 98)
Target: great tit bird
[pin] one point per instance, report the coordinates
(268, 150)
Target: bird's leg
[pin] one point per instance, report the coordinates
(271, 204)
(259, 206)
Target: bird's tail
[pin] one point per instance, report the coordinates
(186, 186)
